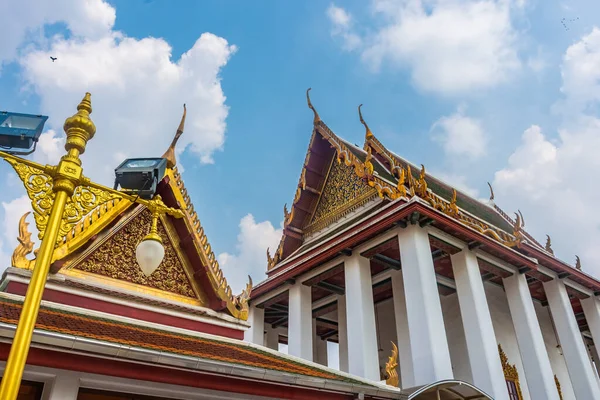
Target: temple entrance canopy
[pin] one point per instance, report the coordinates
(445, 390)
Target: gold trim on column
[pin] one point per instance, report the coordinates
(510, 371)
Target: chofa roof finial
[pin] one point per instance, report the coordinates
(170, 153)
(491, 192)
(368, 133)
(577, 263)
(317, 118)
(549, 245)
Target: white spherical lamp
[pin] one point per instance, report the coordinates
(150, 251)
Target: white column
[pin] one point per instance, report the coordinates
(64, 387)
(272, 338)
(404, 352)
(342, 333)
(428, 343)
(482, 346)
(320, 347)
(256, 333)
(300, 330)
(578, 363)
(363, 358)
(591, 309)
(538, 370)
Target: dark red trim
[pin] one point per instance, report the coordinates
(559, 266)
(317, 256)
(126, 311)
(80, 363)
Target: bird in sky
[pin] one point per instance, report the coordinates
(53, 58)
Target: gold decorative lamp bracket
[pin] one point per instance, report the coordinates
(60, 197)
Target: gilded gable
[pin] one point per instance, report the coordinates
(115, 258)
(342, 192)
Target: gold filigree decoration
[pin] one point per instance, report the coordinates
(390, 368)
(560, 396)
(288, 216)
(577, 263)
(548, 246)
(38, 185)
(237, 305)
(115, 258)
(510, 371)
(342, 193)
(25, 246)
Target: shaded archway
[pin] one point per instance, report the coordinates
(445, 390)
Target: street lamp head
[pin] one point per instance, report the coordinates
(20, 132)
(150, 253)
(140, 176)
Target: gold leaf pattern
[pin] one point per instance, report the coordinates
(116, 259)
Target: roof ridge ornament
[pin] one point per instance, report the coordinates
(170, 153)
(549, 245)
(368, 133)
(577, 263)
(390, 368)
(317, 118)
(491, 192)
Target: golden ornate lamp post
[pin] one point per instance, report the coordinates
(60, 197)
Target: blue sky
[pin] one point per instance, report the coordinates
(477, 90)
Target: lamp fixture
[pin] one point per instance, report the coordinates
(150, 251)
(20, 131)
(140, 176)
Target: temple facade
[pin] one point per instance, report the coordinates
(420, 285)
(106, 331)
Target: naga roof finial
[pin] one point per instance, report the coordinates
(170, 153)
(549, 245)
(577, 263)
(317, 118)
(491, 192)
(368, 133)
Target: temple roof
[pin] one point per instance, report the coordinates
(100, 247)
(64, 323)
(355, 177)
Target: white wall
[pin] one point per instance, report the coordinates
(456, 338)
(557, 361)
(386, 331)
(505, 331)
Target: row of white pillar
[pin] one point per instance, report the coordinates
(424, 353)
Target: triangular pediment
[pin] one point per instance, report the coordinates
(342, 193)
(112, 260)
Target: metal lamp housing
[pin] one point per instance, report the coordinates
(140, 176)
(20, 131)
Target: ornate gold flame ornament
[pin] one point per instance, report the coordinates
(25, 246)
(390, 368)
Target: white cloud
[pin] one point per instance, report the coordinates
(450, 46)
(341, 25)
(460, 135)
(457, 181)
(26, 19)
(250, 259)
(553, 180)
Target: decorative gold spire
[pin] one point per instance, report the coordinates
(491, 192)
(368, 133)
(25, 246)
(170, 153)
(317, 118)
(390, 368)
(577, 263)
(80, 128)
(549, 245)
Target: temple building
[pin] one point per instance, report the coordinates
(106, 331)
(398, 268)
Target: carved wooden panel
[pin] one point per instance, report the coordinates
(342, 192)
(115, 258)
